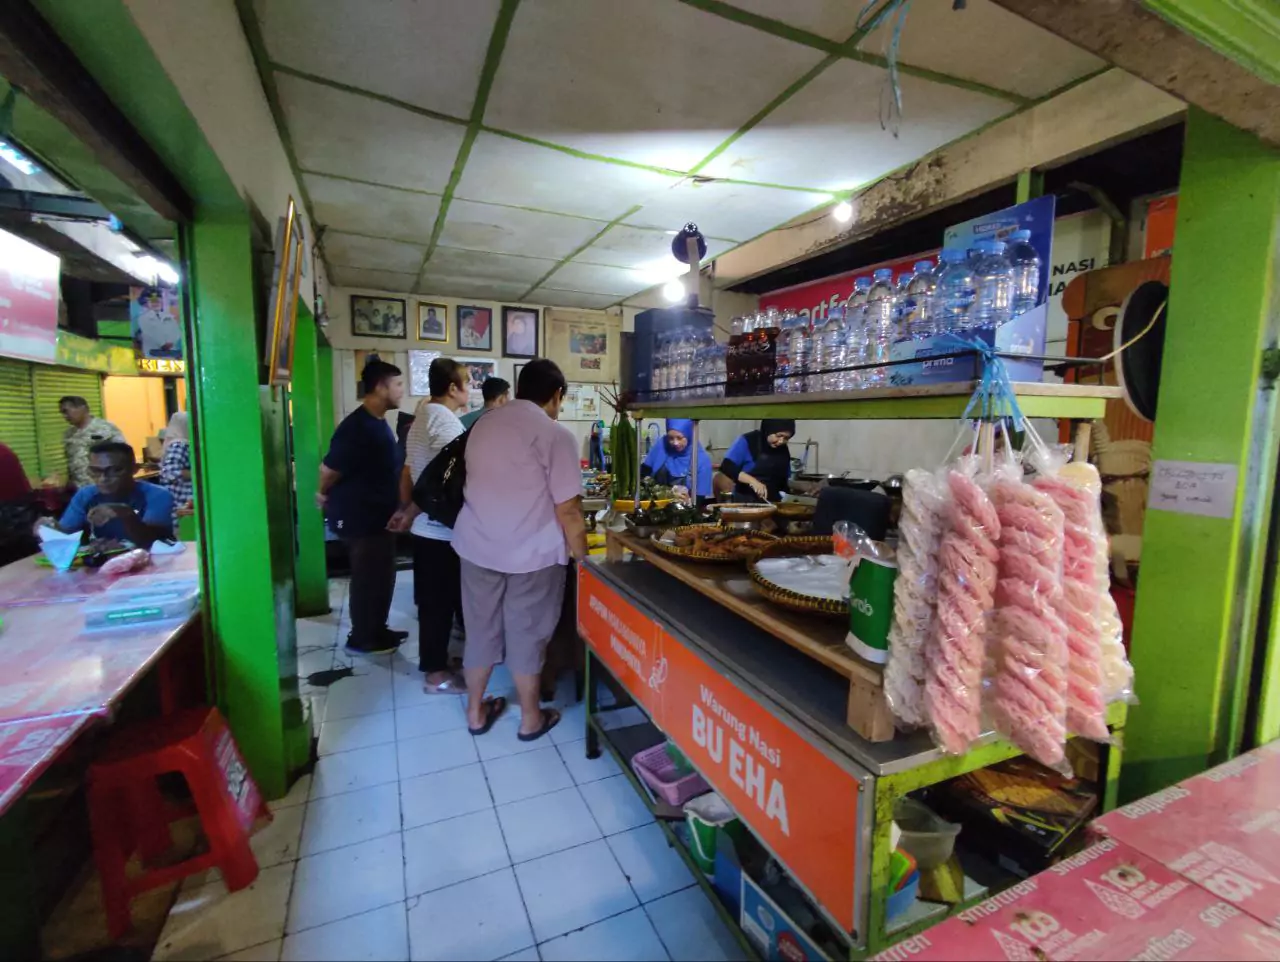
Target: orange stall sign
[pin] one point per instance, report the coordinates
(796, 799)
(624, 639)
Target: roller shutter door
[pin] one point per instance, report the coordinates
(18, 414)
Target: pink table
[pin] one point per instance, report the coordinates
(27, 748)
(55, 678)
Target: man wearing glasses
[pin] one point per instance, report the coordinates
(115, 506)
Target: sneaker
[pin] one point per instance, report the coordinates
(398, 637)
(383, 646)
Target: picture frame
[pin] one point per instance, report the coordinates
(284, 296)
(433, 322)
(520, 332)
(515, 377)
(378, 317)
(475, 328)
(419, 372)
(478, 368)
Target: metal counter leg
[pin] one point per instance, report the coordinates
(593, 737)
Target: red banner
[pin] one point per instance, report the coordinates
(816, 298)
(28, 300)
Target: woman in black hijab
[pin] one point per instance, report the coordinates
(759, 462)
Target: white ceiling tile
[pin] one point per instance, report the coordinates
(382, 211)
(477, 288)
(427, 54)
(555, 298)
(638, 248)
(370, 280)
(726, 210)
(350, 250)
(594, 279)
(450, 262)
(833, 19)
(506, 171)
(506, 230)
(657, 83)
(336, 132)
(985, 43)
(828, 136)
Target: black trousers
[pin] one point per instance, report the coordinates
(437, 591)
(373, 581)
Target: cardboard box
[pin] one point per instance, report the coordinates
(1108, 902)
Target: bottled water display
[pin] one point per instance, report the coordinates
(790, 379)
(799, 354)
(817, 354)
(833, 351)
(917, 307)
(954, 293)
(855, 323)
(1024, 262)
(993, 285)
(880, 326)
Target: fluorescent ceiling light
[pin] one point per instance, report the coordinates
(158, 268)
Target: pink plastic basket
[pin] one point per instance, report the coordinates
(658, 771)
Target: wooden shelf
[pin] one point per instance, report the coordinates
(821, 638)
(941, 401)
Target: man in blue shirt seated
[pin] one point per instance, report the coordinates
(115, 506)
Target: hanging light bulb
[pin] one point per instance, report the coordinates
(843, 212)
(673, 291)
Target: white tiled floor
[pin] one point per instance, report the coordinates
(413, 840)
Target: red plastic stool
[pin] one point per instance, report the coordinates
(127, 813)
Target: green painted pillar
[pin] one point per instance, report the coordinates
(312, 580)
(1201, 577)
(242, 472)
(328, 413)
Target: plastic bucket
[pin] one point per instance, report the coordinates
(901, 900)
(929, 838)
(705, 814)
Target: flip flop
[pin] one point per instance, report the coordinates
(493, 708)
(550, 718)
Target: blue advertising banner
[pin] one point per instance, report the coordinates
(1035, 215)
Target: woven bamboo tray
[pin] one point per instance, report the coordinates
(692, 554)
(785, 597)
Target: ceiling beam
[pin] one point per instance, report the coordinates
(1132, 37)
(488, 73)
(34, 59)
(1105, 109)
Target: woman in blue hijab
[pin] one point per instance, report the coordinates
(671, 460)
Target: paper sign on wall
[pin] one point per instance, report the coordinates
(1194, 487)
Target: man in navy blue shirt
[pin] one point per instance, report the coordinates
(115, 506)
(359, 492)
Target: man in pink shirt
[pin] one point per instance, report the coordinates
(521, 520)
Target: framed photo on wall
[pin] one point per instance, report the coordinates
(520, 332)
(479, 370)
(286, 271)
(515, 378)
(433, 322)
(475, 328)
(377, 316)
(419, 371)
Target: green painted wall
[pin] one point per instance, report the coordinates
(328, 414)
(1246, 31)
(308, 446)
(1200, 580)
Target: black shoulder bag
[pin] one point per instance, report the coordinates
(438, 490)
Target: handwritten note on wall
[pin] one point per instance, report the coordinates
(1194, 487)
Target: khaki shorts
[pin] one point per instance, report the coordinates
(510, 618)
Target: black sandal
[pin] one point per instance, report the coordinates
(493, 707)
(550, 718)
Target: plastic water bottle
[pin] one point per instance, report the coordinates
(993, 277)
(918, 308)
(855, 330)
(880, 326)
(782, 355)
(834, 353)
(817, 379)
(799, 354)
(1025, 263)
(955, 293)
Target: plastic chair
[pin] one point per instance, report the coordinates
(127, 813)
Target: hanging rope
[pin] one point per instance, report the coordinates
(891, 93)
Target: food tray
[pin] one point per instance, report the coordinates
(745, 512)
(656, 769)
(693, 554)
(785, 597)
(627, 505)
